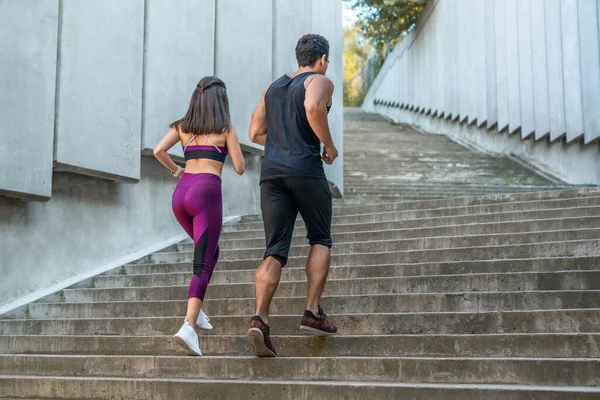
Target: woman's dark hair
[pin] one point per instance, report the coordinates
(310, 48)
(209, 109)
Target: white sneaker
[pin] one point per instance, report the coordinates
(202, 322)
(188, 339)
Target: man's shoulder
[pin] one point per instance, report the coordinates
(318, 79)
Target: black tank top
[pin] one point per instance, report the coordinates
(291, 148)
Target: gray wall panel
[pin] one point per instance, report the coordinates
(411, 78)
(100, 95)
(28, 40)
(440, 62)
(556, 88)
(453, 37)
(490, 64)
(479, 55)
(464, 61)
(417, 72)
(512, 60)
(179, 52)
(590, 67)
(525, 68)
(572, 69)
(244, 50)
(471, 77)
(429, 81)
(539, 65)
(292, 21)
(501, 64)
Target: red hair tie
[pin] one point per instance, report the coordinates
(201, 89)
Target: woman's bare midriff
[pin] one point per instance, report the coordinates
(203, 166)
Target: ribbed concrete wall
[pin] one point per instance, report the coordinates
(89, 87)
(529, 69)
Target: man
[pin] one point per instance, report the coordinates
(290, 120)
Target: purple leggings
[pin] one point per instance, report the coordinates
(198, 207)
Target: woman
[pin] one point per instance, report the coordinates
(206, 136)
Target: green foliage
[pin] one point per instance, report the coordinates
(385, 21)
(356, 53)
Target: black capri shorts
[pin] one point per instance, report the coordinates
(282, 199)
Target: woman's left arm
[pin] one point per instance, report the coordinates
(160, 151)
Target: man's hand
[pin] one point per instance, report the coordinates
(329, 155)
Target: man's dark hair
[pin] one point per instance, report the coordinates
(310, 48)
(209, 109)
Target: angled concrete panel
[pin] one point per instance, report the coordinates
(540, 71)
(572, 68)
(525, 68)
(244, 48)
(440, 61)
(449, 58)
(490, 64)
(28, 42)
(292, 20)
(512, 66)
(100, 88)
(417, 72)
(556, 89)
(590, 67)
(501, 64)
(429, 82)
(479, 54)
(453, 37)
(464, 61)
(411, 78)
(179, 52)
(472, 82)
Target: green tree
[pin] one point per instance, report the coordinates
(386, 21)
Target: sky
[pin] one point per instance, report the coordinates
(348, 15)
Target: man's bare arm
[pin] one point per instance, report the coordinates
(258, 125)
(318, 93)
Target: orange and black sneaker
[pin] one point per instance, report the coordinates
(318, 325)
(258, 338)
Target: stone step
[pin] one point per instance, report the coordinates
(442, 186)
(160, 274)
(379, 303)
(423, 243)
(147, 272)
(382, 189)
(391, 215)
(474, 323)
(519, 371)
(429, 218)
(168, 389)
(584, 221)
(502, 345)
(471, 201)
(577, 248)
(514, 281)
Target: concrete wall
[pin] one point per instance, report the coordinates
(99, 110)
(521, 77)
(115, 74)
(28, 37)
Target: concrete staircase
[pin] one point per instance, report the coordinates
(482, 297)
